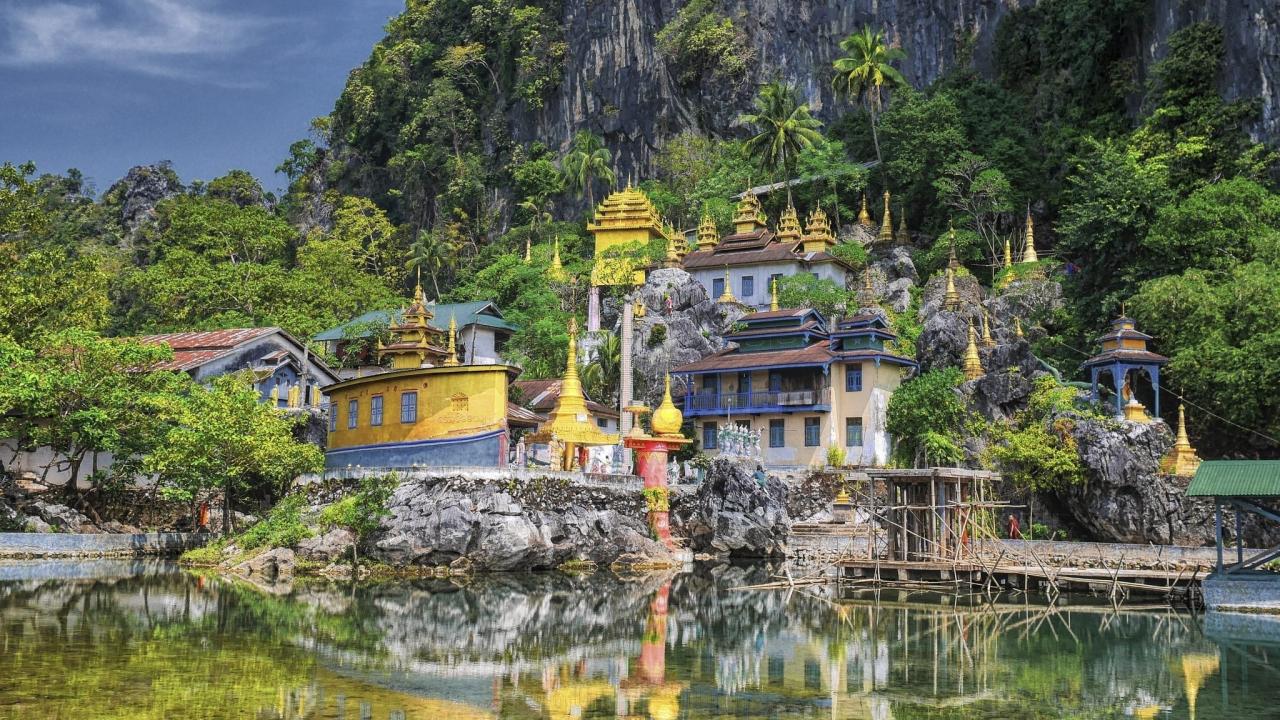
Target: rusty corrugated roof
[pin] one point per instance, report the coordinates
(815, 354)
(193, 349)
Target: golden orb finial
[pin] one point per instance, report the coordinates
(667, 419)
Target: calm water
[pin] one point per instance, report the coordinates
(99, 641)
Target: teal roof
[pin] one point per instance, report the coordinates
(1236, 478)
(479, 312)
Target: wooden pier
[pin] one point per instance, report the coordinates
(1028, 578)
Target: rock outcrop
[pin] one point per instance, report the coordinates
(140, 190)
(514, 526)
(732, 513)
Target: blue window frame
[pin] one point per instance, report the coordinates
(333, 417)
(853, 378)
(775, 381)
(709, 439)
(777, 433)
(409, 406)
(812, 432)
(717, 288)
(711, 384)
(375, 410)
(853, 432)
(748, 286)
(353, 413)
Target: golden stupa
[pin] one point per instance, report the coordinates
(667, 419)
(972, 363)
(864, 217)
(789, 226)
(773, 294)
(569, 423)
(886, 224)
(817, 236)
(1182, 459)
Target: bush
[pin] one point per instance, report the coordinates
(362, 512)
(283, 526)
(835, 456)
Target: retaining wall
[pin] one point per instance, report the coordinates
(74, 545)
(1130, 553)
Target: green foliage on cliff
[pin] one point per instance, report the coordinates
(928, 420)
(1037, 451)
(704, 45)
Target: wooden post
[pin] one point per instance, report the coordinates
(1217, 529)
(1239, 540)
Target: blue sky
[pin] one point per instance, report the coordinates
(212, 85)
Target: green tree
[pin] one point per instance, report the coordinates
(824, 295)
(866, 70)
(783, 126)
(587, 162)
(1037, 451)
(362, 511)
(224, 439)
(702, 43)
(928, 420)
(602, 372)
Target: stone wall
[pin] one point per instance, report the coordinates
(71, 545)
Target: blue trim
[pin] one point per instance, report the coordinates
(770, 366)
(418, 443)
(758, 410)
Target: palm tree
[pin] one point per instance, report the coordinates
(432, 251)
(865, 70)
(588, 160)
(602, 374)
(784, 127)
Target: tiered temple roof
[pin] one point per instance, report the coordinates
(627, 209)
(414, 341)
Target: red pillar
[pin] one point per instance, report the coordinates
(651, 466)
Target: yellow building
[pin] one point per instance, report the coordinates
(626, 216)
(428, 409)
(799, 386)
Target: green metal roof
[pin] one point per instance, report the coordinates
(479, 312)
(1236, 478)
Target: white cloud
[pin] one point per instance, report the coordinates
(156, 37)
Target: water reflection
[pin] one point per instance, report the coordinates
(105, 642)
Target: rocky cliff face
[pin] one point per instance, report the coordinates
(732, 513)
(619, 86)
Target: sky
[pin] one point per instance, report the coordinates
(211, 85)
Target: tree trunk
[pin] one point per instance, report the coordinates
(875, 136)
(226, 511)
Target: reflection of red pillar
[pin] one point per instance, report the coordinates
(651, 466)
(653, 647)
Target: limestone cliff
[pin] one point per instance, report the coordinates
(619, 86)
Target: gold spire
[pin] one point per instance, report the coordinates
(903, 237)
(773, 293)
(749, 217)
(708, 236)
(864, 217)
(727, 295)
(674, 256)
(987, 340)
(952, 262)
(972, 363)
(667, 419)
(867, 295)
(1029, 252)
(452, 358)
(789, 226)
(1008, 252)
(569, 421)
(951, 300)
(1181, 459)
(556, 272)
(1017, 327)
(886, 224)
(818, 236)
(528, 250)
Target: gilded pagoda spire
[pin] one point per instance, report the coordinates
(987, 340)
(708, 236)
(727, 295)
(528, 250)
(1182, 458)
(951, 300)
(749, 216)
(952, 261)
(773, 294)
(903, 237)
(886, 224)
(818, 235)
(867, 295)
(789, 226)
(864, 217)
(1017, 327)
(1029, 251)
(452, 357)
(556, 272)
(972, 363)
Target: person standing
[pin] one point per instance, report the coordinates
(1015, 531)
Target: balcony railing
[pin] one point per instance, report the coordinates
(763, 400)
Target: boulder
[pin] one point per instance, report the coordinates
(327, 547)
(896, 264)
(732, 513)
(60, 517)
(271, 566)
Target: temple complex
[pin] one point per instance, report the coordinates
(449, 412)
(625, 217)
(1125, 355)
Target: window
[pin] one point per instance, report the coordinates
(777, 433)
(602, 423)
(812, 432)
(709, 440)
(775, 280)
(711, 384)
(853, 378)
(409, 406)
(375, 410)
(748, 286)
(853, 432)
(353, 413)
(333, 417)
(717, 288)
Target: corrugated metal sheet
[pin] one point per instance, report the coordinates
(1236, 478)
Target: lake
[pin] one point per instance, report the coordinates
(139, 640)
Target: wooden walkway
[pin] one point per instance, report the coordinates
(1022, 577)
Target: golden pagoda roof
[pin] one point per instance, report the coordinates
(789, 226)
(625, 209)
(818, 231)
(749, 216)
(886, 223)
(864, 217)
(414, 341)
(708, 234)
(570, 421)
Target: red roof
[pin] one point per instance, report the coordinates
(541, 396)
(815, 354)
(193, 349)
(523, 415)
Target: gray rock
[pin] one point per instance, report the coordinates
(140, 190)
(327, 547)
(732, 514)
(271, 566)
(60, 517)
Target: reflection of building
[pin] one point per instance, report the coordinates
(804, 386)
(279, 362)
(428, 409)
(753, 257)
(482, 334)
